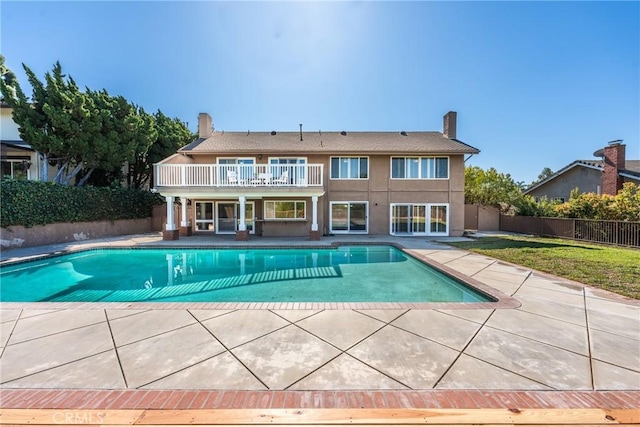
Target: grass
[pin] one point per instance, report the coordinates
(611, 268)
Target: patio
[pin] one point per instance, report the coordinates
(565, 340)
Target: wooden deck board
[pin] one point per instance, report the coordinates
(324, 417)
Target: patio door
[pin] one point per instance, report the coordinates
(408, 218)
(228, 217)
(420, 219)
(349, 217)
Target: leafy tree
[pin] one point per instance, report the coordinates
(171, 134)
(546, 173)
(125, 129)
(7, 76)
(489, 187)
(55, 121)
(34, 124)
(79, 132)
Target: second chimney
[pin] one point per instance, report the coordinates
(613, 162)
(449, 125)
(205, 125)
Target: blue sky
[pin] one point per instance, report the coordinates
(535, 84)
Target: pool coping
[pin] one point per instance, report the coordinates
(502, 300)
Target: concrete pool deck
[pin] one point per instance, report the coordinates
(564, 336)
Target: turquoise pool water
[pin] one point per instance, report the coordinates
(344, 274)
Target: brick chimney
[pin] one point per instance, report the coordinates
(613, 162)
(205, 125)
(449, 124)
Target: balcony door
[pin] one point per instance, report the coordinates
(295, 175)
(228, 217)
(242, 169)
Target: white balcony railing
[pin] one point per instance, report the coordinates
(205, 175)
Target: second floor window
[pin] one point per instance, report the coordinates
(349, 168)
(420, 167)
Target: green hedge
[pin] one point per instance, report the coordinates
(30, 203)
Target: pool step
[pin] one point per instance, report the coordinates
(188, 288)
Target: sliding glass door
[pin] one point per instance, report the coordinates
(349, 217)
(412, 219)
(228, 217)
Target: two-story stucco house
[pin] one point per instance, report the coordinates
(315, 183)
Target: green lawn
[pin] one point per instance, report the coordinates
(605, 267)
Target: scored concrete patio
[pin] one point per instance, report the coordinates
(563, 336)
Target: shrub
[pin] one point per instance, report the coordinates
(30, 203)
(625, 206)
(528, 206)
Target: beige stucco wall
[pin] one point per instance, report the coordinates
(586, 179)
(8, 128)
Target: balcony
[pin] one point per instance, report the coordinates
(238, 175)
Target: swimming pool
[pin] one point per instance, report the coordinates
(345, 274)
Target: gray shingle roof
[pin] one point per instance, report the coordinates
(630, 166)
(329, 142)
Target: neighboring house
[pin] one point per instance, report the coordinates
(314, 183)
(19, 160)
(604, 176)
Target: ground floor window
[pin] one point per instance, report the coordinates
(290, 209)
(17, 168)
(349, 217)
(419, 219)
(204, 216)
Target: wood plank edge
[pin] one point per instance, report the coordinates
(308, 416)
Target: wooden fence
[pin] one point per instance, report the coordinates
(620, 233)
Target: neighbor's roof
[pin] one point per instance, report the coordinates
(329, 142)
(631, 170)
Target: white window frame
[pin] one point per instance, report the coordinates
(299, 160)
(349, 167)
(243, 174)
(419, 158)
(206, 221)
(428, 207)
(349, 202)
(448, 220)
(297, 175)
(252, 159)
(266, 218)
